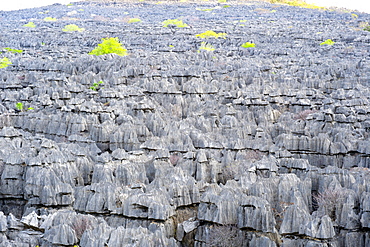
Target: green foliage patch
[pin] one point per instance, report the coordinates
(30, 24)
(133, 20)
(109, 45)
(297, 3)
(96, 85)
(19, 106)
(72, 28)
(328, 42)
(211, 34)
(4, 62)
(204, 9)
(50, 19)
(248, 45)
(13, 50)
(175, 22)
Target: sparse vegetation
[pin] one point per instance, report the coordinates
(248, 45)
(204, 9)
(329, 200)
(50, 19)
(4, 62)
(109, 45)
(30, 24)
(297, 3)
(96, 85)
(174, 22)
(279, 213)
(72, 28)
(133, 20)
(225, 236)
(13, 50)
(80, 225)
(19, 106)
(303, 114)
(328, 42)
(211, 34)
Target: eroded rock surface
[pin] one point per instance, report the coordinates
(179, 146)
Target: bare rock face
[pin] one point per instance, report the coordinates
(185, 141)
(3, 222)
(256, 213)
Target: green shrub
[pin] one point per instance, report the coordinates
(19, 106)
(248, 45)
(297, 3)
(109, 45)
(95, 85)
(13, 50)
(133, 20)
(30, 24)
(4, 62)
(204, 9)
(367, 28)
(328, 42)
(176, 22)
(72, 28)
(50, 19)
(210, 34)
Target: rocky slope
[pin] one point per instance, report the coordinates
(263, 146)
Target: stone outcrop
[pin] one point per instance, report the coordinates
(178, 146)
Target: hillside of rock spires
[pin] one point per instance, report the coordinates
(247, 126)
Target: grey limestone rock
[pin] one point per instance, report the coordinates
(154, 205)
(294, 218)
(291, 190)
(13, 222)
(237, 142)
(62, 234)
(262, 241)
(256, 213)
(3, 222)
(139, 237)
(186, 227)
(182, 189)
(31, 220)
(321, 228)
(96, 198)
(97, 236)
(354, 239)
(45, 186)
(220, 205)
